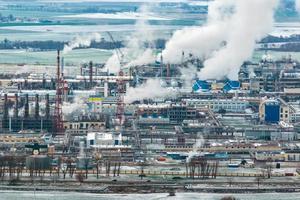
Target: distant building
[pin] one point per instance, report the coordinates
(231, 86)
(229, 105)
(201, 86)
(102, 139)
(275, 110)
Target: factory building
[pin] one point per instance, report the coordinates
(275, 110)
(201, 86)
(83, 124)
(166, 113)
(229, 105)
(104, 140)
(231, 86)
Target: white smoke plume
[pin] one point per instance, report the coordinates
(135, 52)
(187, 75)
(228, 38)
(78, 106)
(297, 4)
(198, 144)
(81, 41)
(200, 40)
(245, 30)
(146, 57)
(149, 90)
(113, 64)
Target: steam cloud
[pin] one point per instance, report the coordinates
(82, 41)
(297, 4)
(150, 89)
(200, 41)
(228, 38)
(135, 52)
(245, 30)
(78, 106)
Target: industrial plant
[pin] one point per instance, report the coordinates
(195, 115)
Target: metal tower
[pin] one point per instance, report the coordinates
(58, 117)
(120, 99)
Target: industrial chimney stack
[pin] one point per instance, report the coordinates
(5, 114)
(26, 112)
(91, 73)
(16, 110)
(37, 107)
(47, 107)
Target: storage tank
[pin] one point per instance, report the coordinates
(272, 111)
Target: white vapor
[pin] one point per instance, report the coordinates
(200, 40)
(148, 90)
(228, 38)
(77, 107)
(188, 74)
(245, 29)
(81, 41)
(297, 5)
(135, 52)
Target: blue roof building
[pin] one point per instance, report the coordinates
(231, 85)
(201, 86)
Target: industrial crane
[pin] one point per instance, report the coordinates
(120, 85)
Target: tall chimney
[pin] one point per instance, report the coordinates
(37, 107)
(5, 113)
(58, 67)
(26, 112)
(47, 107)
(44, 83)
(16, 110)
(62, 67)
(91, 73)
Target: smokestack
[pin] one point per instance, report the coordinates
(62, 67)
(37, 107)
(47, 107)
(161, 65)
(58, 66)
(26, 112)
(91, 73)
(5, 114)
(44, 82)
(16, 110)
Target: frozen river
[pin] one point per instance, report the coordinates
(12, 195)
